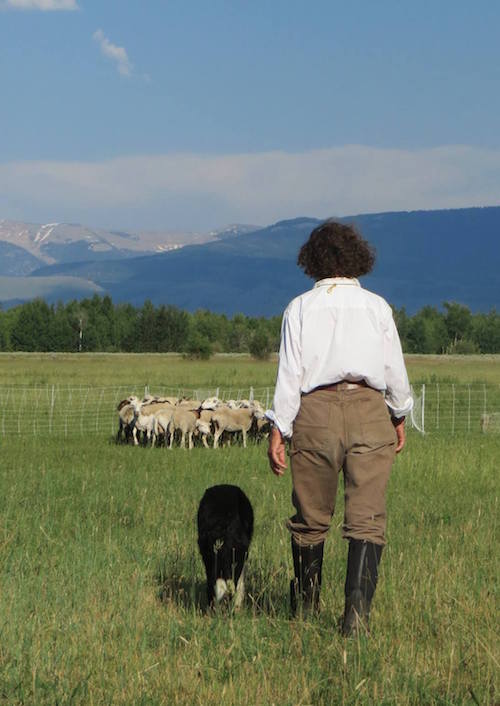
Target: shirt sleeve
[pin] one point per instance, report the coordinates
(286, 400)
(398, 393)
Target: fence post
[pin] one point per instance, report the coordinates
(116, 399)
(4, 410)
(423, 408)
(250, 397)
(36, 415)
(68, 407)
(468, 413)
(98, 410)
(453, 409)
(82, 415)
(21, 410)
(437, 406)
(51, 415)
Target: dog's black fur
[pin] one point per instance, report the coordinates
(225, 528)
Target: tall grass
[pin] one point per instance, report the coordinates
(102, 596)
(227, 370)
(160, 370)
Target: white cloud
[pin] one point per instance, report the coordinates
(114, 52)
(201, 191)
(45, 5)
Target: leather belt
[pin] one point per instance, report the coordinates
(342, 385)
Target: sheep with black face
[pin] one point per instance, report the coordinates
(225, 528)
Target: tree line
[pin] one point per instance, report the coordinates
(96, 324)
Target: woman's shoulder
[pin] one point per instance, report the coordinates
(377, 302)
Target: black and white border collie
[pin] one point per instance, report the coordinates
(225, 528)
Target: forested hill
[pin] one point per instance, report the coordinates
(424, 258)
(96, 324)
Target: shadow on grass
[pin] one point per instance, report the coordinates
(263, 595)
(181, 590)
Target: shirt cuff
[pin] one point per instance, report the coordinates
(403, 411)
(286, 431)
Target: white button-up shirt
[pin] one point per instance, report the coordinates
(338, 331)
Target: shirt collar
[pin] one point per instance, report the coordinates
(328, 281)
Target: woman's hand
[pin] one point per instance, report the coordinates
(276, 452)
(399, 426)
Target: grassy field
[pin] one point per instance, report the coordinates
(101, 585)
(227, 370)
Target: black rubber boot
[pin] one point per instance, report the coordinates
(361, 580)
(305, 588)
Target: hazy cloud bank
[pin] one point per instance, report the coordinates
(44, 5)
(201, 191)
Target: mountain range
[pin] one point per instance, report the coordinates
(423, 258)
(24, 247)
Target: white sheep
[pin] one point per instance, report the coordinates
(204, 429)
(155, 405)
(125, 418)
(233, 420)
(490, 421)
(211, 403)
(189, 404)
(143, 422)
(244, 404)
(204, 425)
(183, 420)
(261, 427)
(170, 400)
(162, 420)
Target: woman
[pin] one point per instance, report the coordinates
(342, 394)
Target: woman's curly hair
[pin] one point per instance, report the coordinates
(336, 250)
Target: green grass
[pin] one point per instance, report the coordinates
(154, 370)
(453, 368)
(226, 370)
(102, 589)
(102, 597)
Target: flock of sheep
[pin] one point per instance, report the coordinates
(169, 419)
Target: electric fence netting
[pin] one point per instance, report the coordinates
(68, 410)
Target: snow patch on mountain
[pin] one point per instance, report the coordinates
(58, 243)
(45, 232)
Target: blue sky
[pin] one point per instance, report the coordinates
(190, 115)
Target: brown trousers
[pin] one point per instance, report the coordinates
(349, 430)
